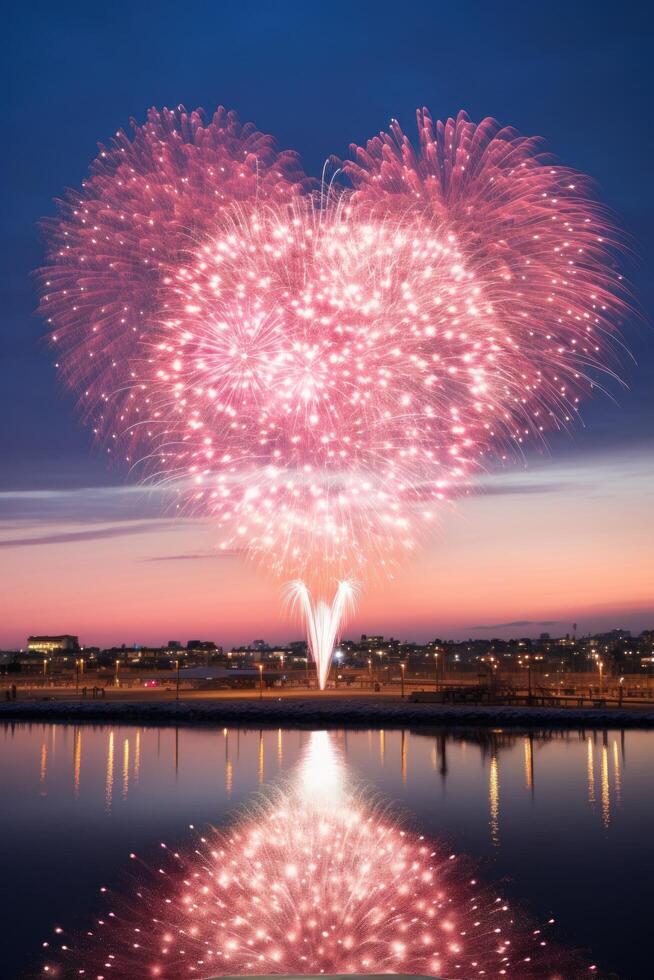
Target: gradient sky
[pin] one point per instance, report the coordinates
(568, 538)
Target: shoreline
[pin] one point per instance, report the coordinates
(325, 713)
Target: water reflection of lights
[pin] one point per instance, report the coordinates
(529, 762)
(616, 773)
(591, 772)
(137, 756)
(126, 754)
(77, 761)
(404, 746)
(320, 775)
(125, 767)
(604, 783)
(43, 768)
(261, 759)
(314, 879)
(494, 800)
(109, 779)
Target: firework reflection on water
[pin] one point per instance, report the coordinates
(315, 878)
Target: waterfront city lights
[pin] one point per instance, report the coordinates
(318, 367)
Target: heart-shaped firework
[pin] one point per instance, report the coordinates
(316, 368)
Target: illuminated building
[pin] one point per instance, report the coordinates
(66, 643)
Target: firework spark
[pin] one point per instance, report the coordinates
(315, 880)
(319, 371)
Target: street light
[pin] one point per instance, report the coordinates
(260, 666)
(436, 670)
(116, 678)
(600, 667)
(402, 667)
(76, 676)
(370, 671)
(177, 688)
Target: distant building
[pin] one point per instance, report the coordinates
(612, 636)
(53, 644)
(201, 646)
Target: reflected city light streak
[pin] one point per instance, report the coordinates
(605, 788)
(617, 776)
(229, 775)
(77, 761)
(43, 768)
(125, 767)
(529, 762)
(261, 759)
(109, 780)
(137, 756)
(591, 772)
(494, 800)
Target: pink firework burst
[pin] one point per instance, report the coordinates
(541, 250)
(320, 370)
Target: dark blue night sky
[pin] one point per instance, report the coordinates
(318, 76)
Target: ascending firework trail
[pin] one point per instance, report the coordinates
(319, 368)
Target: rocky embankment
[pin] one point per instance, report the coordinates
(323, 712)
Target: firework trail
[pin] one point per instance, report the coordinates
(315, 880)
(323, 622)
(320, 370)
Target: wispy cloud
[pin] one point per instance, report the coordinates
(499, 488)
(89, 534)
(197, 555)
(516, 622)
(83, 506)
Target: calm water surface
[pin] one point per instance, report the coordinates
(565, 822)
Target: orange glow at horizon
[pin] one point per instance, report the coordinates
(567, 544)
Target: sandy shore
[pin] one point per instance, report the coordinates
(323, 712)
